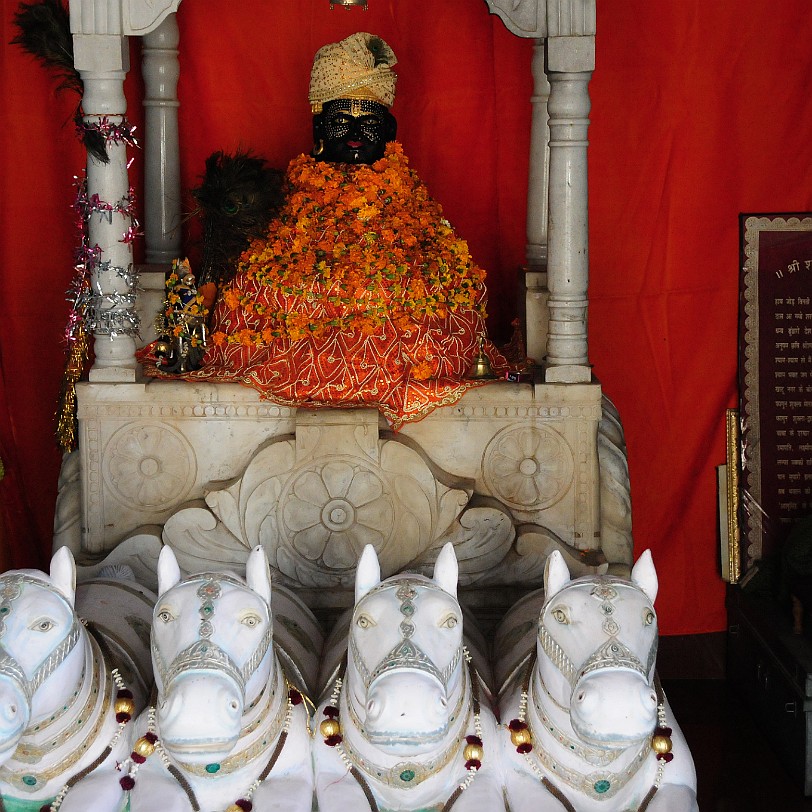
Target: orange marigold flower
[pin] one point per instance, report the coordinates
(422, 371)
(231, 298)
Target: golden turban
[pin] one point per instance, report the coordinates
(359, 67)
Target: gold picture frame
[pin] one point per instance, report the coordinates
(731, 538)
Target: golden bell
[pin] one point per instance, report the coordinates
(519, 737)
(661, 744)
(480, 369)
(144, 747)
(125, 705)
(330, 727)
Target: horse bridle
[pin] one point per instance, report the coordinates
(406, 653)
(10, 589)
(611, 654)
(204, 653)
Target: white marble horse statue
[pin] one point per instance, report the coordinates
(228, 731)
(586, 725)
(64, 702)
(407, 727)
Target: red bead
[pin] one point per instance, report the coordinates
(666, 757)
(123, 717)
(332, 741)
(517, 724)
(244, 804)
(331, 712)
(151, 737)
(295, 697)
(663, 731)
(473, 764)
(524, 748)
(127, 782)
(124, 693)
(46, 808)
(473, 740)
(138, 759)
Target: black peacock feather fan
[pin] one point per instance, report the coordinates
(44, 33)
(238, 197)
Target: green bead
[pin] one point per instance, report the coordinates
(407, 775)
(212, 768)
(29, 780)
(602, 786)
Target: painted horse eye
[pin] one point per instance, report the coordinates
(560, 615)
(251, 621)
(450, 622)
(165, 616)
(648, 617)
(365, 622)
(42, 625)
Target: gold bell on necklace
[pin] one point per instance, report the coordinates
(144, 747)
(330, 727)
(661, 744)
(124, 704)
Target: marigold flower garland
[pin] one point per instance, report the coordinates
(353, 248)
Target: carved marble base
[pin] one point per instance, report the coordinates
(509, 473)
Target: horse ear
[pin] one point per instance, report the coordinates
(556, 574)
(368, 574)
(645, 576)
(447, 570)
(258, 573)
(168, 570)
(63, 573)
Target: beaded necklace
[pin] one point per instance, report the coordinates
(406, 775)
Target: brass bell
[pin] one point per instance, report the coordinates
(480, 369)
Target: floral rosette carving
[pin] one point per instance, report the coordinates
(149, 466)
(528, 467)
(333, 511)
(315, 517)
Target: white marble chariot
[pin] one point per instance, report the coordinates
(509, 473)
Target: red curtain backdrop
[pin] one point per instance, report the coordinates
(699, 111)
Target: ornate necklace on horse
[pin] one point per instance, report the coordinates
(150, 743)
(405, 775)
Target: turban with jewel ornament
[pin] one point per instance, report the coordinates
(359, 67)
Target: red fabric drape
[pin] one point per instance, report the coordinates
(699, 111)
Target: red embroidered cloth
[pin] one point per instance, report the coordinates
(360, 295)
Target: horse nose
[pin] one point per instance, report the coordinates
(220, 699)
(10, 712)
(374, 709)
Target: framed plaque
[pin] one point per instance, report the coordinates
(775, 379)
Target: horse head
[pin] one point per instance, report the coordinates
(405, 672)
(212, 654)
(39, 633)
(596, 651)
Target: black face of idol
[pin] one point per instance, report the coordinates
(352, 131)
